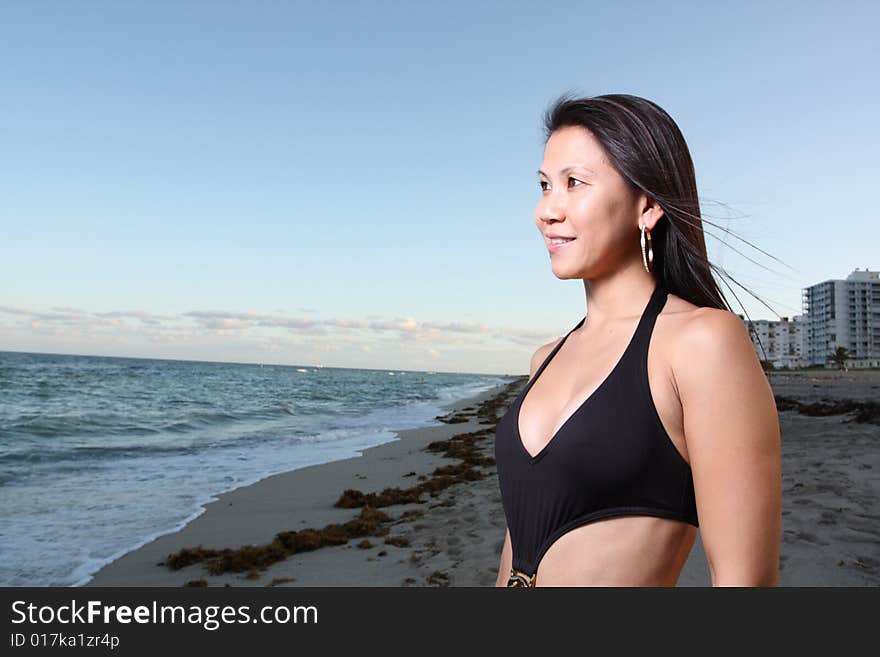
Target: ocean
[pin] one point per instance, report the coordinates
(100, 455)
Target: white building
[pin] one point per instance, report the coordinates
(779, 341)
(844, 313)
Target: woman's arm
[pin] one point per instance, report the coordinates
(505, 564)
(731, 428)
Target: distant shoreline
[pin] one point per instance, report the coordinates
(238, 362)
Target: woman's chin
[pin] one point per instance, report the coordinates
(566, 273)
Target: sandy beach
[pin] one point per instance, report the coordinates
(443, 524)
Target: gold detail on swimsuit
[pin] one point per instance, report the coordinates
(520, 579)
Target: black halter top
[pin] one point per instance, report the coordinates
(611, 457)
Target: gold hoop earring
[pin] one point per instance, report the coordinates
(650, 255)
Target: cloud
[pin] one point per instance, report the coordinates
(405, 324)
(12, 310)
(458, 327)
(210, 319)
(145, 317)
(198, 323)
(69, 310)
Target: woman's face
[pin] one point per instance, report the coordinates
(583, 197)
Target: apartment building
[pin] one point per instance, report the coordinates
(844, 313)
(779, 341)
(836, 313)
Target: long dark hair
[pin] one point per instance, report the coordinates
(647, 148)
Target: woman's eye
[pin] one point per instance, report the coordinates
(544, 182)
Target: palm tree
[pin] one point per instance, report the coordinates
(839, 357)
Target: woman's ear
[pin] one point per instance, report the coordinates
(651, 214)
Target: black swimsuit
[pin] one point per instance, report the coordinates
(611, 457)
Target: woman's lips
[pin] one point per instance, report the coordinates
(553, 248)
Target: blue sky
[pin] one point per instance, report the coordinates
(355, 185)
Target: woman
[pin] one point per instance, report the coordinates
(614, 454)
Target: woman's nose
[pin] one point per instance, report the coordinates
(550, 209)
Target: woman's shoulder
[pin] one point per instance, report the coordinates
(707, 341)
(692, 322)
(712, 328)
(541, 354)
